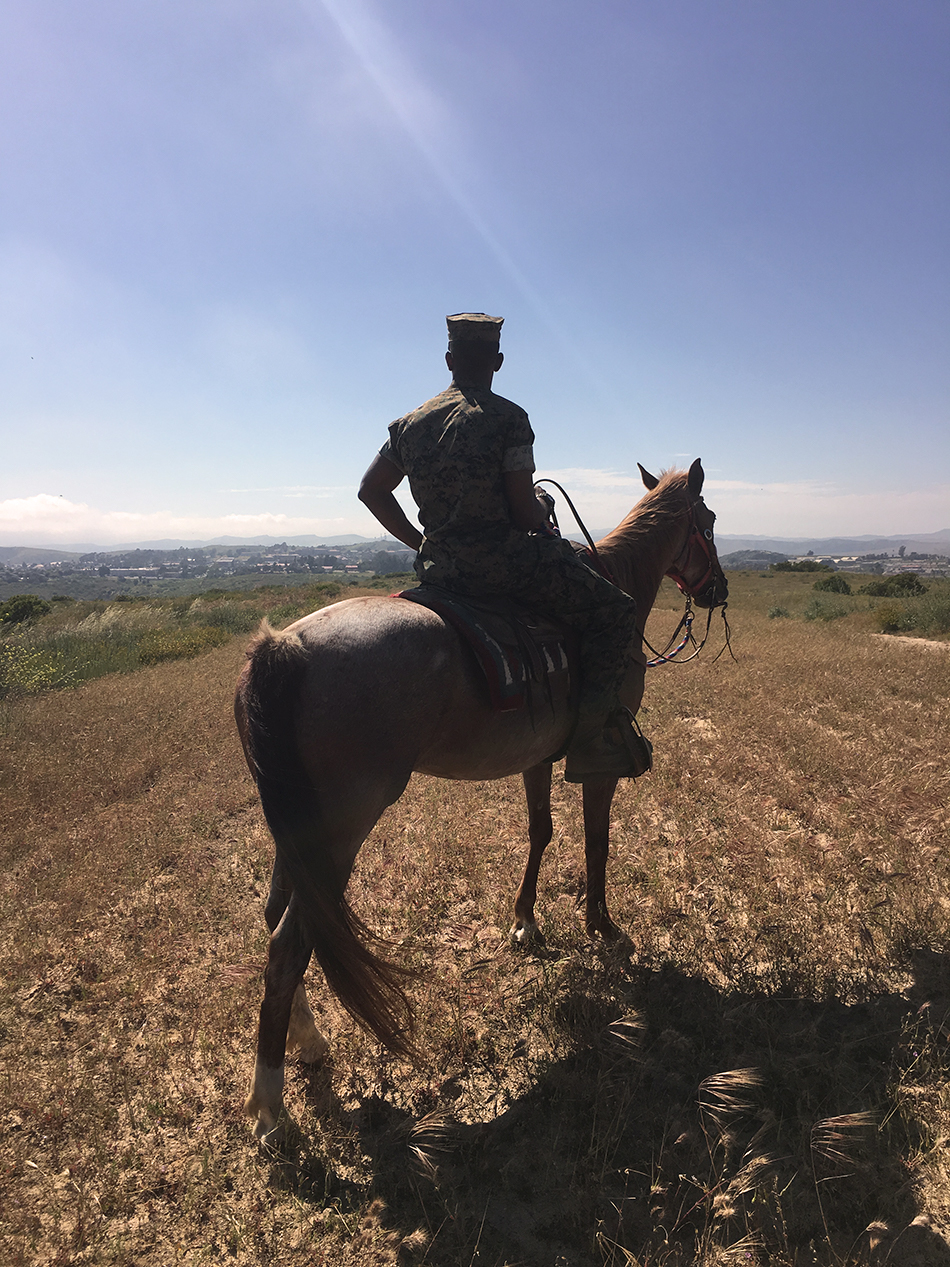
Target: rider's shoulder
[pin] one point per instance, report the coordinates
(500, 405)
(442, 403)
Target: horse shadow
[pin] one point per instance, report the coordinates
(654, 1140)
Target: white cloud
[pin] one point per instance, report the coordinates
(45, 519)
(802, 509)
(806, 508)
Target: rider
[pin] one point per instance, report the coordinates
(469, 458)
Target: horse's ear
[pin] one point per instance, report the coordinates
(694, 481)
(650, 481)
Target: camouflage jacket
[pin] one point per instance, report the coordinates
(455, 449)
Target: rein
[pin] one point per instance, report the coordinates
(704, 540)
(599, 564)
(666, 656)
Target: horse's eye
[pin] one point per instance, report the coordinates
(708, 534)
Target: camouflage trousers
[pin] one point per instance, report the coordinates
(548, 575)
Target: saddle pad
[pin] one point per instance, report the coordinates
(513, 646)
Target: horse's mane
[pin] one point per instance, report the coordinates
(656, 511)
(634, 549)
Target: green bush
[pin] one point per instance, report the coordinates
(803, 565)
(834, 584)
(23, 607)
(893, 618)
(825, 609)
(933, 611)
(25, 670)
(928, 613)
(87, 640)
(778, 611)
(179, 644)
(235, 618)
(904, 583)
(286, 613)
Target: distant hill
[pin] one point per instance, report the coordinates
(347, 539)
(755, 559)
(923, 543)
(16, 556)
(169, 543)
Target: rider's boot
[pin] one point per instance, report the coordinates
(612, 748)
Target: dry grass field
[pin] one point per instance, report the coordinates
(761, 1076)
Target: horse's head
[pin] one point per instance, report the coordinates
(696, 569)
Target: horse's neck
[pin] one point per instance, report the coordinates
(638, 557)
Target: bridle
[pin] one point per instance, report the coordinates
(695, 536)
(701, 537)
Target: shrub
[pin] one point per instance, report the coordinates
(286, 613)
(825, 609)
(778, 611)
(933, 612)
(893, 617)
(23, 607)
(834, 584)
(179, 644)
(893, 586)
(803, 565)
(26, 670)
(235, 618)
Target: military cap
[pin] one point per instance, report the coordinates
(474, 327)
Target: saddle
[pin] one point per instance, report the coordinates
(520, 653)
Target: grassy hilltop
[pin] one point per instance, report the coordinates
(760, 1078)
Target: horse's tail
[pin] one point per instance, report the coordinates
(367, 985)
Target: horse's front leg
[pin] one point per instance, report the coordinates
(598, 796)
(303, 1037)
(537, 786)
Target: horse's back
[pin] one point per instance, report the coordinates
(388, 680)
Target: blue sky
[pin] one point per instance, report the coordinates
(230, 231)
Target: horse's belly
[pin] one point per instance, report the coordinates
(477, 743)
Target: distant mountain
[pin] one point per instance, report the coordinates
(923, 543)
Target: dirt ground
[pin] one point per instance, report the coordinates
(760, 1075)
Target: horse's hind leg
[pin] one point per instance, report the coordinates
(303, 1037)
(287, 959)
(537, 786)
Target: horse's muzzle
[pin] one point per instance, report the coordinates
(715, 594)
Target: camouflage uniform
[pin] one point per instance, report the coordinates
(455, 450)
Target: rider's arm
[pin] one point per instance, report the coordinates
(527, 513)
(376, 493)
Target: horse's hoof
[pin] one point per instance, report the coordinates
(278, 1137)
(524, 934)
(275, 1135)
(264, 1122)
(607, 932)
(314, 1050)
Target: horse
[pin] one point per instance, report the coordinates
(338, 710)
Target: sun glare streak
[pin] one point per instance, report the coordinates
(426, 119)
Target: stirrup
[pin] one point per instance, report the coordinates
(620, 750)
(640, 748)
